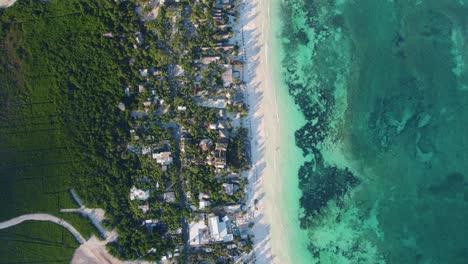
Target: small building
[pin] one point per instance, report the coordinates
(223, 133)
(108, 35)
(177, 71)
(225, 47)
(150, 222)
(222, 125)
(214, 102)
(147, 103)
(121, 106)
(202, 204)
(181, 108)
(145, 150)
(212, 126)
(143, 72)
(218, 230)
(145, 208)
(227, 75)
(139, 38)
(127, 91)
(231, 246)
(209, 60)
(230, 209)
(222, 113)
(138, 194)
(169, 197)
(206, 144)
(229, 188)
(163, 158)
(220, 154)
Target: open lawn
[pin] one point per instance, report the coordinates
(36, 242)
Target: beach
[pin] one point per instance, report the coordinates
(273, 196)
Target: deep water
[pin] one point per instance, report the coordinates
(384, 89)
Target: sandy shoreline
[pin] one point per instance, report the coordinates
(265, 183)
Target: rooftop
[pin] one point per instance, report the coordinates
(227, 75)
(169, 197)
(163, 158)
(138, 194)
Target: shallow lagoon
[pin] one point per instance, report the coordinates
(384, 90)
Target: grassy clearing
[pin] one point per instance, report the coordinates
(53, 98)
(36, 242)
(82, 224)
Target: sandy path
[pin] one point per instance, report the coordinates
(43, 217)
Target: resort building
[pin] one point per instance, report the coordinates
(218, 230)
(138, 194)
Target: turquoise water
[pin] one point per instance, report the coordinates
(383, 88)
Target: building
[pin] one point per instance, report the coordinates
(227, 75)
(143, 72)
(139, 38)
(127, 91)
(145, 150)
(121, 106)
(212, 126)
(177, 71)
(206, 144)
(229, 188)
(218, 102)
(145, 208)
(163, 158)
(218, 230)
(209, 60)
(138, 194)
(223, 133)
(198, 234)
(203, 204)
(230, 209)
(222, 125)
(220, 153)
(169, 197)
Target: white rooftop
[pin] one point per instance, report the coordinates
(138, 194)
(218, 230)
(203, 204)
(163, 158)
(197, 230)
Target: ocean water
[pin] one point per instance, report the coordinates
(382, 90)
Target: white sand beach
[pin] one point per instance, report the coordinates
(265, 182)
